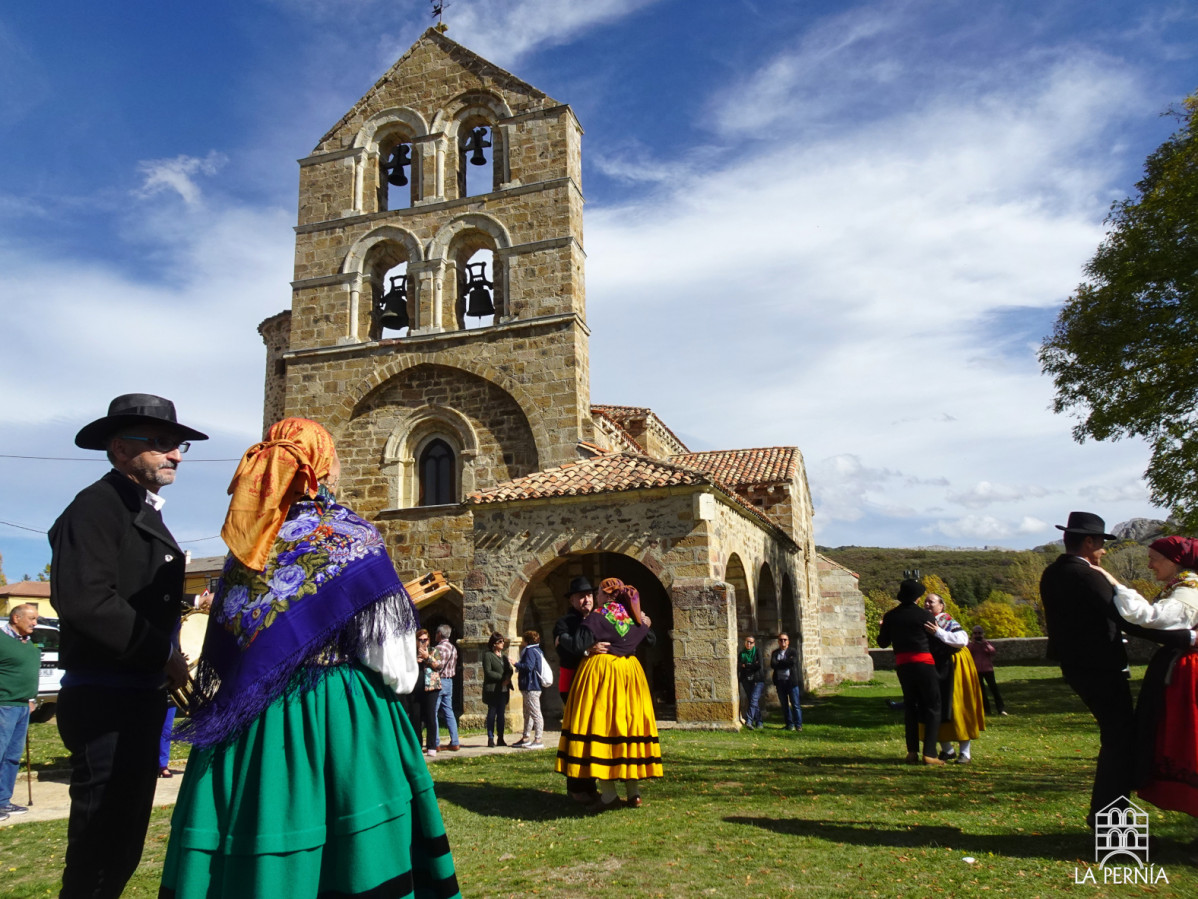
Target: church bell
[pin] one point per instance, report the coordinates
(392, 309)
(400, 158)
(475, 145)
(478, 290)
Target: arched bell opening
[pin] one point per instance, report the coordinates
(544, 602)
(398, 168)
(479, 286)
(476, 291)
(392, 307)
(476, 139)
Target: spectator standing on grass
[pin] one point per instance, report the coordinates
(785, 663)
(427, 694)
(906, 628)
(983, 652)
(529, 680)
(448, 654)
(20, 663)
(750, 671)
(497, 687)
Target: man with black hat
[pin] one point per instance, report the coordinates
(1085, 639)
(573, 643)
(116, 579)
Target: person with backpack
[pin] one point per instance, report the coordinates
(531, 671)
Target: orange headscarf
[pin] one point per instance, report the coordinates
(295, 457)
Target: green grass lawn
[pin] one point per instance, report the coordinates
(832, 811)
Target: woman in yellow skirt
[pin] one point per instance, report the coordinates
(608, 728)
(963, 716)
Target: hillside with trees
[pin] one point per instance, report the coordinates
(998, 589)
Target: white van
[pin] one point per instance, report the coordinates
(45, 635)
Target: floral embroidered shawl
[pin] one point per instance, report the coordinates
(328, 589)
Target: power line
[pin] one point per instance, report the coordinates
(22, 527)
(105, 461)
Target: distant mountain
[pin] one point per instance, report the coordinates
(1141, 530)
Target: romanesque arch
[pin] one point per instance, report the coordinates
(378, 137)
(543, 602)
(734, 575)
(484, 427)
(769, 617)
(464, 361)
(367, 265)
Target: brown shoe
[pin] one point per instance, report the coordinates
(634, 802)
(912, 758)
(166, 772)
(932, 760)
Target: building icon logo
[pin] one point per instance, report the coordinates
(1121, 829)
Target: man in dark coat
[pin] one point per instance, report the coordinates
(116, 579)
(1085, 637)
(573, 643)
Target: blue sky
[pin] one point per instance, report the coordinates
(843, 226)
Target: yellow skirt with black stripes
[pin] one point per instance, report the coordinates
(608, 728)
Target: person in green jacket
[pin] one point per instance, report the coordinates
(497, 686)
(20, 662)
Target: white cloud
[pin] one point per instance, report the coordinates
(985, 528)
(985, 493)
(178, 174)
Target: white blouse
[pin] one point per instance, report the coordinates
(1176, 608)
(395, 660)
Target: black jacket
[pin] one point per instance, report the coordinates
(571, 639)
(904, 627)
(1083, 624)
(785, 664)
(116, 579)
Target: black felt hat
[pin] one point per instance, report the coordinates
(579, 585)
(910, 590)
(133, 409)
(1086, 523)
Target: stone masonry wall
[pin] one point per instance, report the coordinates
(842, 612)
(276, 334)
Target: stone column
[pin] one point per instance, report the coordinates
(704, 653)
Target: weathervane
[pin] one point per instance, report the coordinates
(439, 14)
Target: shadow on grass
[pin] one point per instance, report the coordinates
(1062, 846)
(922, 836)
(510, 803)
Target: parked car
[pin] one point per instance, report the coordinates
(45, 635)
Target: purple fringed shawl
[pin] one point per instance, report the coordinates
(328, 590)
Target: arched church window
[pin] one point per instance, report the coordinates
(436, 469)
(476, 158)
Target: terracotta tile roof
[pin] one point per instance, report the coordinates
(623, 415)
(27, 588)
(614, 430)
(745, 467)
(609, 473)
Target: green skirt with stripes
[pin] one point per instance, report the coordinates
(326, 794)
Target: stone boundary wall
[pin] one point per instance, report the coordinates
(1024, 651)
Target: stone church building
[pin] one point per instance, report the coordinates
(438, 329)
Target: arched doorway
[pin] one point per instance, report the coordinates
(544, 602)
(447, 609)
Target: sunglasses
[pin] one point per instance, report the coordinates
(161, 444)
